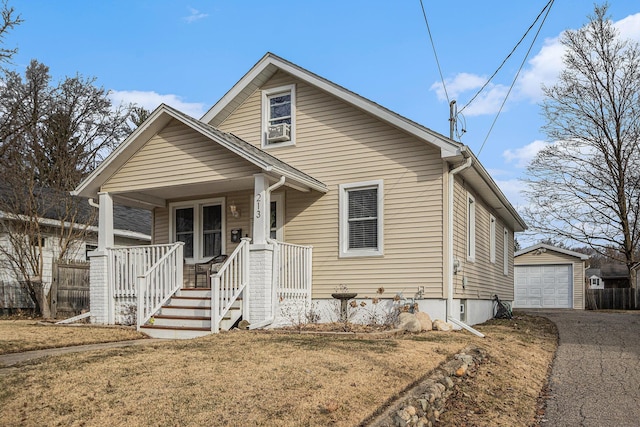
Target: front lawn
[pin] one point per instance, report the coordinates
(18, 335)
(275, 379)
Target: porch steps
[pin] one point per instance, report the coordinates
(188, 315)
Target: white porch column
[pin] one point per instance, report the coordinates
(260, 283)
(101, 303)
(261, 208)
(105, 222)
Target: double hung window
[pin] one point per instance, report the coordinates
(278, 106)
(361, 225)
(492, 239)
(471, 228)
(505, 253)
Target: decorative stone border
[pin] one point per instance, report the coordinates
(422, 405)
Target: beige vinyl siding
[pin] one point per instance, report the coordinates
(160, 232)
(556, 258)
(177, 156)
(483, 278)
(339, 144)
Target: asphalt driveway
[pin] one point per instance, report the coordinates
(595, 379)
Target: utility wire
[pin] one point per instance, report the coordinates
(434, 51)
(518, 73)
(547, 8)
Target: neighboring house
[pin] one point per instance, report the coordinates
(549, 277)
(132, 228)
(332, 190)
(594, 278)
(615, 275)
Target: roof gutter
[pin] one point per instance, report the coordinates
(449, 274)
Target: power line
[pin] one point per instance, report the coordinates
(434, 51)
(518, 73)
(547, 7)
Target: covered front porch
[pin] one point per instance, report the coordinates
(214, 197)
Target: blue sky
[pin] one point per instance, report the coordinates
(189, 53)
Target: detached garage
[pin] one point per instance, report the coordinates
(549, 277)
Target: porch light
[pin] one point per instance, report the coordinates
(235, 212)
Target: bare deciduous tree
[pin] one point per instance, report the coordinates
(585, 187)
(50, 138)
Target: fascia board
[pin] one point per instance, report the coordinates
(259, 68)
(491, 184)
(447, 148)
(552, 248)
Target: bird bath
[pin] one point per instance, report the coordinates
(344, 297)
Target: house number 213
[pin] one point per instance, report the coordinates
(258, 200)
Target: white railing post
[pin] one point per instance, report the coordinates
(142, 285)
(309, 273)
(180, 265)
(215, 303)
(246, 255)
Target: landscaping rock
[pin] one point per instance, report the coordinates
(441, 325)
(422, 407)
(409, 322)
(244, 324)
(425, 320)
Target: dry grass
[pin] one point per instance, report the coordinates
(505, 390)
(24, 335)
(249, 378)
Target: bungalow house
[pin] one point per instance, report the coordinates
(308, 188)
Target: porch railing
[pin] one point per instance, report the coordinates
(293, 272)
(228, 283)
(128, 263)
(159, 283)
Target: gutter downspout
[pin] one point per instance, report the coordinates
(274, 265)
(450, 317)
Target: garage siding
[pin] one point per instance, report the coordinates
(550, 258)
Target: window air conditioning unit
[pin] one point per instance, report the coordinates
(279, 133)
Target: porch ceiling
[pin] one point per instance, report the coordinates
(160, 196)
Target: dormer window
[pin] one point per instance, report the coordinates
(279, 116)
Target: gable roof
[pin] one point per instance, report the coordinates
(264, 69)
(544, 247)
(450, 150)
(159, 118)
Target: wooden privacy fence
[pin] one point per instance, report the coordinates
(613, 299)
(69, 288)
(13, 297)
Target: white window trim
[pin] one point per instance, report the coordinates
(492, 239)
(266, 93)
(279, 199)
(505, 252)
(471, 228)
(344, 251)
(197, 220)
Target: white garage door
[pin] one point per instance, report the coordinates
(543, 286)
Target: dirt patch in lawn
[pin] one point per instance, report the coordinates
(19, 335)
(278, 379)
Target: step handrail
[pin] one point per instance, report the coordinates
(229, 283)
(159, 283)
